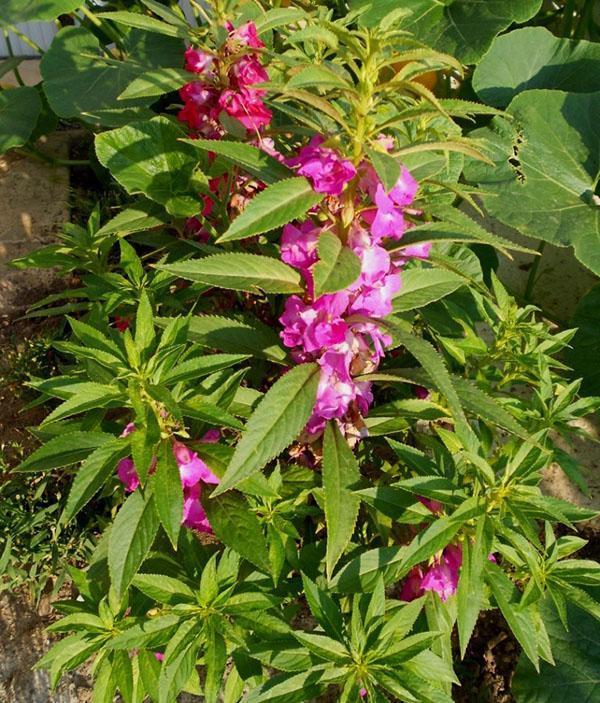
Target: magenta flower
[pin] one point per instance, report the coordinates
(211, 436)
(411, 588)
(324, 167)
(191, 468)
(442, 577)
(299, 245)
(127, 474)
(247, 72)
(403, 193)
(246, 106)
(246, 34)
(194, 515)
(197, 61)
(325, 326)
(388, 220)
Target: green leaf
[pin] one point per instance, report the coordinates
(421, 286)
(237, 526)
(283, 688)
(87, 397)
(246, 336)
(387, 167)
(19, 11)
(338, 266)
(150, 158)
(239, 271)
(518, 618)
(144, 22)
(130, 539)
(340, 473)
(215, 660)
(470, 591)
(153, 632)
(180, 660)
(583, 354)
(64, 450)
(577, 655)
(278, 17)
(318, 76)
(510, 67)
(462, 28)
(324, 609)
(248, 157)
(199, 366)
(168, 494)
(278, 419)
(19, 112)
(201, 409)
(163, 588)
(93, 474)
(139, 216)
(546, 170)
(275, 206)
(156, 82)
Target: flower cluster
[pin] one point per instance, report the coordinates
(340, 330)
(226, 84)
(193, 472)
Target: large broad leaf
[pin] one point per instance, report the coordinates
(584, 354)
(340, 474)
(422, 286)
(148, 158)
(279, 204)
(18, 11)
(80, 81)
(130, 539)
(511, 67)
(462, 28)
(239, 271)
(546, 170)
(276, 422)
(577, 655)
(19, 112)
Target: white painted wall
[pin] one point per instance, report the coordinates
(42, 34)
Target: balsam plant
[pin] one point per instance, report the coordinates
(327, 418)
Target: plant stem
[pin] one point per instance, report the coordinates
(531, 279)
(11, 53)
(24, 38)
(34, 153)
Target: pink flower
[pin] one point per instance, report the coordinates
(246, 106)
(159, 656)
(421, 392)
(442, 577)
(211, 436)
(247, 72)
(299, 245)
(363, 692)
(411, 588)
(199, 94)
(191, 468)
(388, 220)
(416, 251)
(326, 169)
(293, 324)
(434, 505)
(267, 145)
(325, 326)
(127, 474)
(336, 389)
(122, 323)
(197, 61)
(403, 193)
(194, 515)
(246, 34)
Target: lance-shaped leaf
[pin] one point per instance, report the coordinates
(19, 112)
(546, 170)
(510, 67)
(149, 158)
(276, 422)
(155, 82)
(387, 167)
(239, 271)
(146, 23)
(340, 474)
(64, 450)
(248, 157)
(168, 494)
(421, 286)
(338, 266)
(275, 206)
(130, 539)
(139, 216)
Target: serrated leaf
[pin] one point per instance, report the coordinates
(163, 588)
(148, 24)
(318, 76)
(199, 366)
(156, 82)
(239, 271)
(340, 473)
(150, 158)
(168, 494)
(421, 286)
(279, 417)
(274, 207)
(248, 157)
(338, 266)
(387, 167)
(88, 396)
(130, 540)
(139, 216)
(68, 448)
(93, 474)
(150, 633)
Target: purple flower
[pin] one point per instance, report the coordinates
(442, 577)
(403, 193)
(335, 392)
(325, 326)
(299, 245)
(326, 169)
(388, 220)
(415, 251)
(191, 468)
(376, 300)
(293, 324)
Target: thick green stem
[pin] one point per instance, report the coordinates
(532, 278)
